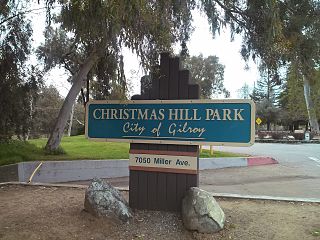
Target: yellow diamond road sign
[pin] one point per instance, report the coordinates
(258, 121)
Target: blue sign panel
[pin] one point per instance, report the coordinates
(224, 122)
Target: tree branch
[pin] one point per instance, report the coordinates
(20, 13)
(83, 97)
(230, 14)
(66, 66)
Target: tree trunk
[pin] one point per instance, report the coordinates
(71, 120)
(310, 107)
(78, 81)
(31, 114)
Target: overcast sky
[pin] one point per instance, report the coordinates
(228, 52)
(201, 43)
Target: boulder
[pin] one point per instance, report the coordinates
(103, 200)
(201, 212)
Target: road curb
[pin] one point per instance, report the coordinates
(217, 163)
(221, 195)
(79, 170)
(315, 141)
(65, 171)
(256, 161)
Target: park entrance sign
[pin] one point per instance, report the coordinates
(165, 125)
(192, 122)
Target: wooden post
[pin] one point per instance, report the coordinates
(164, 190)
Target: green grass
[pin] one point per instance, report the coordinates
(77, 147)
(217, 154)
(316, 233)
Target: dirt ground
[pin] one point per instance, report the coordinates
(35, 212)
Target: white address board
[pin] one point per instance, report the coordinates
(163, 161)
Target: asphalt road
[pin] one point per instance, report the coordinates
(304, 156)
(296, 175)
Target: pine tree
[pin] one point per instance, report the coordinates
(292, 100)
(266, 94)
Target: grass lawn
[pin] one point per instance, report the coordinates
(77, 147)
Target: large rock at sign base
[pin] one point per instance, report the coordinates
(103, 200)
(201, 212)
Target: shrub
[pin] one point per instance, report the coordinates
(298, 136)
(278, 135)
(311, 136)
(262, 135)
(80, 130)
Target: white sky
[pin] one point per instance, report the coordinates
(228, 52)
(201, 42)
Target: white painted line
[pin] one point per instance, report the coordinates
(315, 159)
(262, 197)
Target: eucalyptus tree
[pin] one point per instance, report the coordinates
(302, 34)
(97, 30)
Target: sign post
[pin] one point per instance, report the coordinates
(165, 125)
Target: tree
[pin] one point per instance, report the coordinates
(294, 42)
(46, 109)
(303, 32)
(19, 83)
(267, 112)
(292, 99)
(244, 91)
(265, 95)
(99, 29)
(208, 73)
(266, 88)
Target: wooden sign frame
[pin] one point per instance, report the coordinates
(162, 190)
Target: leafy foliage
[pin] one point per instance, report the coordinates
(47, 107)
(301, 29)
(265, 94)
(19, 83)
(208, 73)
(244, 91)
(292, 40)
(146, 27)
(292, 99)
(266, 88)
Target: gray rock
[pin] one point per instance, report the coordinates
(201, 212)
(103, 200)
